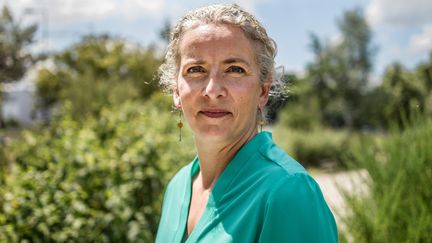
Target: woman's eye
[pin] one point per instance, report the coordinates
(196, 69)
(236, 69)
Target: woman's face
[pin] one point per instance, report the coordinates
(218, 84)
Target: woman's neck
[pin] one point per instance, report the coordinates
(215, 157)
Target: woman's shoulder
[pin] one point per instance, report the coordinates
(295, 211)
(278, 160)
(295, 203)
(295, 188)
(287, 176)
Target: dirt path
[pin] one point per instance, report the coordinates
(350, 181)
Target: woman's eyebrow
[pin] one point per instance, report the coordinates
(194, 61)
(236, 60)
(227, 61)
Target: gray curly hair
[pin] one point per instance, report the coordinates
(227, 14)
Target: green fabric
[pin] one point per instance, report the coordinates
(263, 195)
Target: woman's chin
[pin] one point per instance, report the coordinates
(212, 133)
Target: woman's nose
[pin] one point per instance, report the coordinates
(215, 87)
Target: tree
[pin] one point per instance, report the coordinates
(402, 94)
(340, 71)
(424, 75)
(14, 57)
(406, 90)
(164, 32)
(98, 71)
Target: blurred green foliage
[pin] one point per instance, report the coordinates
(338, 81)
(98, 180)
(333, 106)
(407, 90)
(340, 72)
(98, 71)
(397, 206)
(3, 163)
(318, 147)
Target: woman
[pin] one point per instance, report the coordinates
(240, 187)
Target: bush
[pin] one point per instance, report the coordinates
(3, 163)
(316, 147)
(96, 181)
(398, 205)
(294, 116)
(95, 72)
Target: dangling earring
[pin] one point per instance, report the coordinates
(261, 119)
(180, 124)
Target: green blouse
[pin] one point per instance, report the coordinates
(263, 195)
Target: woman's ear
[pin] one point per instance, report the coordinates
(265, 90)
(176, 98)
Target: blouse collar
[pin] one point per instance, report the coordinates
(231, 170)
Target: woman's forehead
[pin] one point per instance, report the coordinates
(214, 37)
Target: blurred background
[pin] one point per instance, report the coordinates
(88, 141)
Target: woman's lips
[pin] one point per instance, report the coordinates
(215, 114)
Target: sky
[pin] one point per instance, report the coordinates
(402, 30)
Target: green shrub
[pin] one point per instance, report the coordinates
(294, 116)
(99, 180)
(3, 165)
(398, 205)
(316, 147)
(97, 71)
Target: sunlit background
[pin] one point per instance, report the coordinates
(88, 140)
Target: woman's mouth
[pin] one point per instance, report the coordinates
(215, 114)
